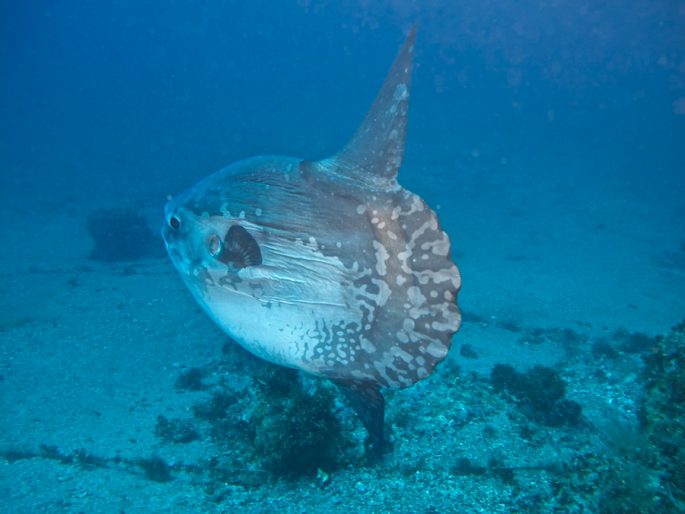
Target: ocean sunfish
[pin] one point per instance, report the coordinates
(330, 267)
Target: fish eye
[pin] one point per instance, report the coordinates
(214, 245)
(174, 222)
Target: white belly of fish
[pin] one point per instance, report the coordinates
(279, 332)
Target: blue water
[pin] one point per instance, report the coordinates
(547, 135)
(173, 90)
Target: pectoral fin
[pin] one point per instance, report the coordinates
(240, 249)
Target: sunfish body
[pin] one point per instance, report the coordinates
(330, 266)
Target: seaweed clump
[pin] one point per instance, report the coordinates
(191, 380)
(296, 430)
(634, 342)
(121, 235)
(175, 430)
(662, 412)
(539, 392)
(644, 467)
(285, 424)
(606, 483)
(156, 468)
(216, 408)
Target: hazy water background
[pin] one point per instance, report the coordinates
(541, 130)
(96, 94)
(549, 135)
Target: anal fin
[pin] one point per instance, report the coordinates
(367, 401)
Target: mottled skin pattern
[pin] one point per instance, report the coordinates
(355, 282)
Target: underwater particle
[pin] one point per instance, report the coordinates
(322, 478)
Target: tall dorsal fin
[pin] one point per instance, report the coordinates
(374, 154)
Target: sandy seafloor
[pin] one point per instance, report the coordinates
(90, 353)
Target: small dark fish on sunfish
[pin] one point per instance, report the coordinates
(329, 266)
